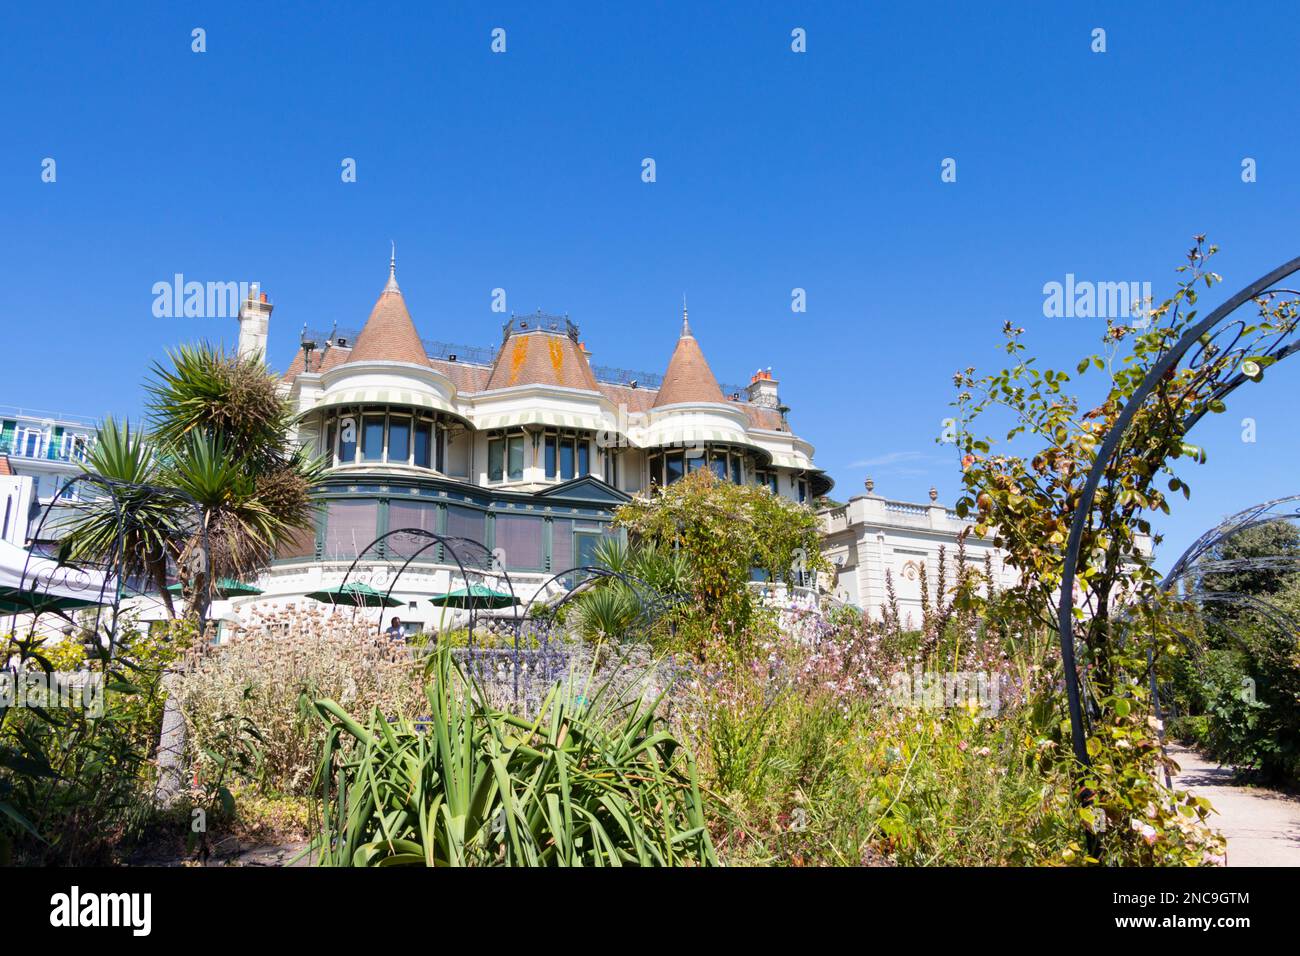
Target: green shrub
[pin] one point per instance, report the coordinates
(590, 780)
(75, 787)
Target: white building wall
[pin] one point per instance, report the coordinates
(15, 502)
(872, 535)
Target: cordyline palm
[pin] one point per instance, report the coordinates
(119, 513)
(219, 441)
(220, 449)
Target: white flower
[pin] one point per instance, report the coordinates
(1147, 831)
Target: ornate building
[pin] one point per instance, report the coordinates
(527, 451)
(875, 542)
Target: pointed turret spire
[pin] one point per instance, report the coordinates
(686, 325)
(392, 271)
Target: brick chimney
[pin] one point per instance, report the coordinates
(762, 389)
(254, 318)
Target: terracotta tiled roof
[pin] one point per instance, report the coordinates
(768, 418)
(541, 358)
(636, 399)
(320, 361)
(5, 469)
(689, 378)
(389, 334)
(530, 358)
(466, 378)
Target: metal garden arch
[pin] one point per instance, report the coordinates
(1203, 334)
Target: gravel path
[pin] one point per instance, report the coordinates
(1262, 826)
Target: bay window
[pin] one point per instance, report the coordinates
(347, 439)
(423, 444)
(396, 436)
(674, 467)
(520, 538)
(668, 466)
(350, 526)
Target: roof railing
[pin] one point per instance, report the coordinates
(43, 415)
(534, 321)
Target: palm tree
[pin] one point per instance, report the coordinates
(650, 580)
(120, 523)
(220, 442)
(235, 488)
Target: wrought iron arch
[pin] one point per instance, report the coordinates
(1267, 512)
(651, 603)
(1202, 334)
(449, 543)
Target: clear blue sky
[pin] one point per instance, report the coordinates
(775, 170)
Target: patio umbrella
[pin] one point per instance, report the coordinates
(354, 595)
(226, 588)
(475, 596)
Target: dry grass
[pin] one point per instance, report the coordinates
(276, 669)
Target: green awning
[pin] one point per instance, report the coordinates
(476, 596)
(354, 595)
(226, 588)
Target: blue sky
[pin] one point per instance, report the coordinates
(775, 170)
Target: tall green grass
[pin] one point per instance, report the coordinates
(585, 782)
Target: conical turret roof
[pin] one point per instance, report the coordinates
(689, 378)
(389, 334)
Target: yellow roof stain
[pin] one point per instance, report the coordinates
(517, 357)
(557, 357)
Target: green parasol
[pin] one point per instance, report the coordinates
(354, 595)
(476, 596)
(14, 601)
(226, 588)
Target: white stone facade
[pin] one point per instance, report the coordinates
(872, 535)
